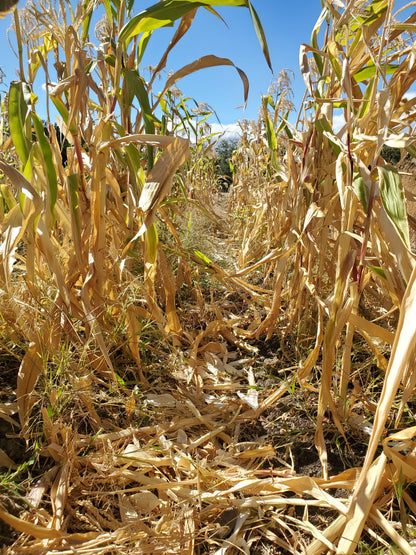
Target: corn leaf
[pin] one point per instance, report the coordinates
(151, 247)
(159, 180)
(18, 111)
(393, 199)
(165, 13)
(361, 190)
(143, 42)
(260, 34)
(29, 528)
(73, 185)
(64, 113)
(48, 164)
(370, 70)
(202, 63)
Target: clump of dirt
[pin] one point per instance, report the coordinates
(290, 425)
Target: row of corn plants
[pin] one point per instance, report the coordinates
(331, 233)
(80, 237)
(91, 254)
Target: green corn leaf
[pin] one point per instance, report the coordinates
(202, 257)
(365, 104)
(164, 106)
(393, 199)
(151, 239)
(375, 11)
(267, 99)
(356, 41)
(334, 55)
(152, 242)
(134, 86)
(37, 59)
(271, 137)
(72, 182)
(339, 105)
(110, 59)
(7, 196)
(284, 126)
(379, 271)
(411, 150)
(361, 190)
(166, 12)
(314, 40)
(260, 34)
(18, 111)
(143, 42)
(48, 164)
(63, 111)
(108, 11)
(87, 21)
(370, 70)
(322, 125)
(133, 161)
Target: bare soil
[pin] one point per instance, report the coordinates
(290, 424)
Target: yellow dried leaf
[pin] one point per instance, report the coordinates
(59, 494)
(261, 452)
(130, 406)
(29, 528)
(173, 325)
(361, 506)
(159, 180)
(29, 372)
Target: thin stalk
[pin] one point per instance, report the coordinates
(119, 57)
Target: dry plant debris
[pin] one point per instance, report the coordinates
(166, 348)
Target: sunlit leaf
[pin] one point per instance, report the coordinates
(361, 190)
(165, 13)
(370, 70)
(64, 113)
(134, 86)
(394, 202)
(19, 98)
(48, 163)
(202, 257)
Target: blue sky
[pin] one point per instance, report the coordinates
(286, 25)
